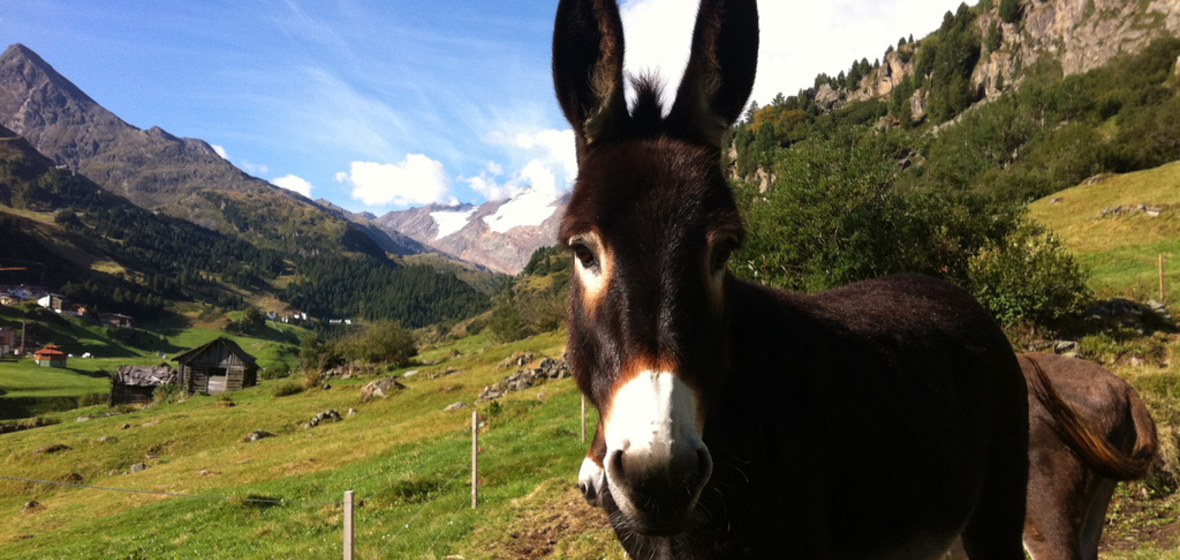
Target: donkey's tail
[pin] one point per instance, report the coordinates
(1100, 455)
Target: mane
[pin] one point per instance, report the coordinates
(647, 114)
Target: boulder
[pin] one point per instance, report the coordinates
(53, 448)
(257, 435)
(322, 417)
(30, 507)
(138, 467)
(455, 406)
(517, 360)
(380, 388)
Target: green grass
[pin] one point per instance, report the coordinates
(1121, 252)
(406, 458)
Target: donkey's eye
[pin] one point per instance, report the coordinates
(721, 255)
(584, 255)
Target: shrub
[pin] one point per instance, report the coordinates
(167, 393)
(383, 341)
(287, 388)
(92, 399)
(275, 372)
(1028, 276)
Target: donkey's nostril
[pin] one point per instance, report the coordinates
(616, 463)
(704, 464)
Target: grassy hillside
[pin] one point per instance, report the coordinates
(27, 389)
(1121, 249)
(404, 456)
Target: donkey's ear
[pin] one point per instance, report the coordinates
(720, 73)
(588, 68)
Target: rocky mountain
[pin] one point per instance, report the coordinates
(158, 171)
(500, 235)
(1080, 35)
(391, 241)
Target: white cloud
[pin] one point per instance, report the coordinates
(220, 151)
(294, 183)
(550, 166)
(254, 168)
(416, 180)
(797, 41)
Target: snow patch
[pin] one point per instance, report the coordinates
(529, 208)
(450, 221)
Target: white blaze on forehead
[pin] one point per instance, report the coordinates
(651, 414)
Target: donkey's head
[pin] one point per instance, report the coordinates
(650, 225)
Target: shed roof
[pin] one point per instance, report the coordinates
(232, 346)
(49, 351)
(145, 376)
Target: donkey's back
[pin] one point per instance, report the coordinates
(882, 419)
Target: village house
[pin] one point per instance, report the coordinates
(114, 320)
(218, 366)
(136, 384)
(50, 356)
(53, 302)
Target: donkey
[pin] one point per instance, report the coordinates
(878, 420)
(1078, 454)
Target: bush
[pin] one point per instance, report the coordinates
(383, 341)
(287, 388)
(1028, 276)
(92, 399)
(167, 393)
(275, 372)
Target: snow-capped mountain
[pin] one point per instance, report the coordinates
(500, 235)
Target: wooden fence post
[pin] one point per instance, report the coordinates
(1163, 295)
(348, 497)
(474, 458)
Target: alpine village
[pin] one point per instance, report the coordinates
(195, 363)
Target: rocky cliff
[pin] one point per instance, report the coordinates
(1079, 34)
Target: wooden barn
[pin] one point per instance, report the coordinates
(135, 384)
(217, 367)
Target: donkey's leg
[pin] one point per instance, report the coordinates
(996, 526)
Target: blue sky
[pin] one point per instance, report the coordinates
(387, 104)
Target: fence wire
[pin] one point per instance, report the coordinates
(172, 494)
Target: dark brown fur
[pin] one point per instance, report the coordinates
(1079, 453)
(878, 420)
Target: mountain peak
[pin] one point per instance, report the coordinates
(21, 60)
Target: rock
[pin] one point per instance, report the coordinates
(1136, 361)
(518, 360)
(74, 478)
(326, 386)
(138, 467)
(204, 472)
(53, 448)
(105, 439)
(444, 373)
(410, 373)
(380, 388)
(257, 435)
(1063, 346)
(455, 406)
(126, 427)
(352, 412)
(30, 507)
(322, 417)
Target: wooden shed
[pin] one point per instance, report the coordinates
(217, 367)
(136, 384)
(50, 356)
